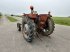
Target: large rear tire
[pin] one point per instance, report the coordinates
(26, 34)
(26, 31)
(50, 27)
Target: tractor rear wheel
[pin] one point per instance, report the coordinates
(26, 29)
(50, 27)
(26, 34)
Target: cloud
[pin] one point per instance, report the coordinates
(57, 7)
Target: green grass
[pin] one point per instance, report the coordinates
(11, 19)
(62, 20)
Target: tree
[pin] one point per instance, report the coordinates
(0, 14)
(12, 15)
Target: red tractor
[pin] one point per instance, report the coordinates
(34, 23)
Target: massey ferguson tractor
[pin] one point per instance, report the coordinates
(34, 24)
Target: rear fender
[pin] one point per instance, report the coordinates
(43, 17)
(42, 20)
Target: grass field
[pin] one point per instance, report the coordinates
(62, 20)
(11, 19)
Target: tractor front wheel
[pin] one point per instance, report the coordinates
(19, 26)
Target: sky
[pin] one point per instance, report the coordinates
(57, 7)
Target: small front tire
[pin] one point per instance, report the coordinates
(19, 26)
